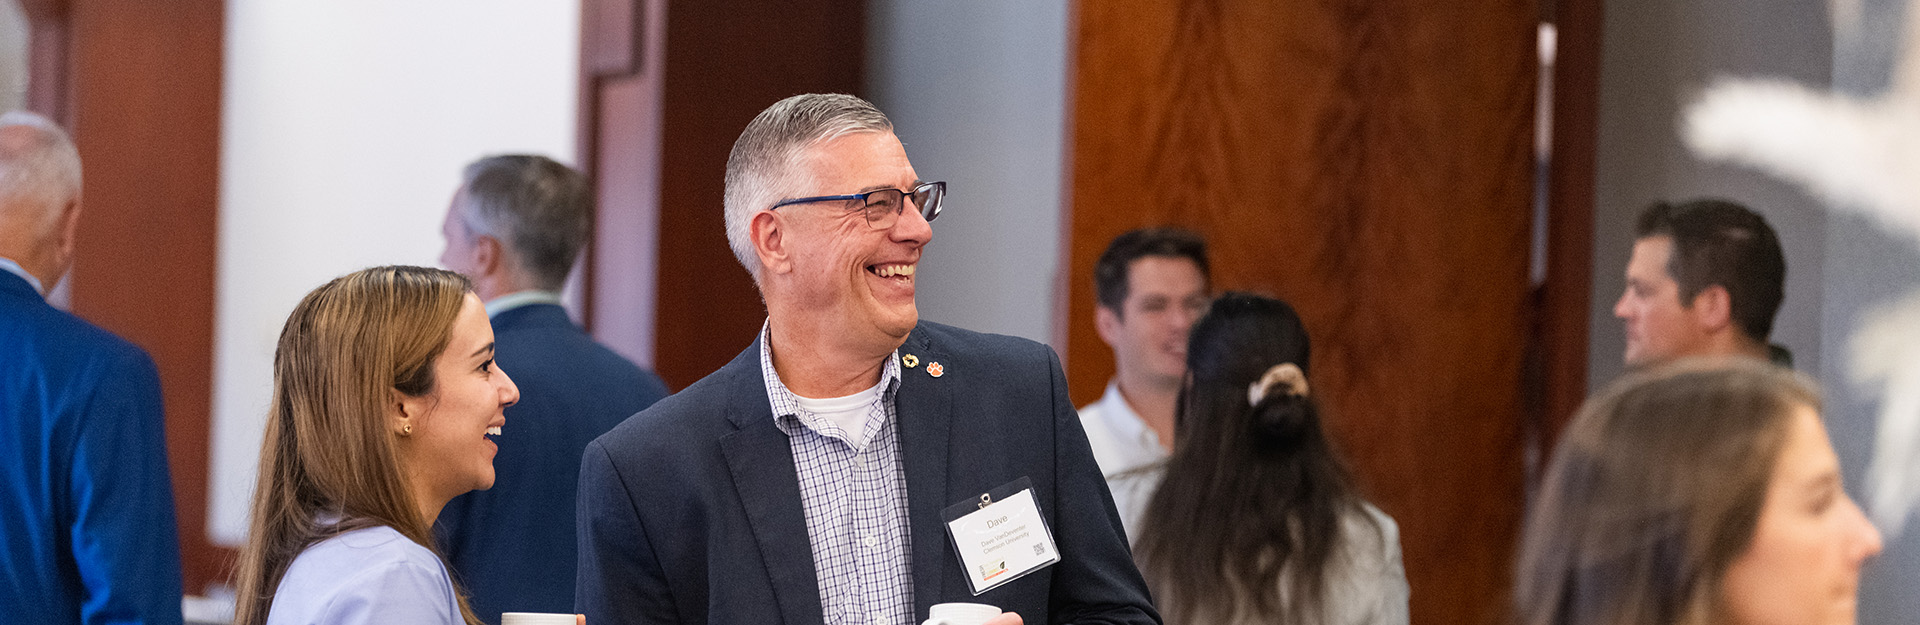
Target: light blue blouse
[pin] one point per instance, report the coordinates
(372, 575)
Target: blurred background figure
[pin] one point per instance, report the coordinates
(515, 227)
(1152, 284)
(1705, 279)
(1256, 519)
(385, 392)
(88, 517)
(1704, 492)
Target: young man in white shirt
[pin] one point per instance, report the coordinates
(1152, 284)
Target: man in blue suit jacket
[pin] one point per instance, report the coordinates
(515, 227)
(86, 504)
(805, 482)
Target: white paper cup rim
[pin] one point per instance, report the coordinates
(963, 611)
(536, 618)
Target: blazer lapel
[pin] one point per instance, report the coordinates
(761, 464)
(923, 409)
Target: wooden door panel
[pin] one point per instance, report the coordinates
(1371, 163)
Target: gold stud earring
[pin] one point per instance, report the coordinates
(406, 430)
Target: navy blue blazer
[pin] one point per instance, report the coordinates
(690, 512)
(512, 546)
(86, 503)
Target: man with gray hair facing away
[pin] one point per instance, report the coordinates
(515, 227)
(817, 477)
(86, 502)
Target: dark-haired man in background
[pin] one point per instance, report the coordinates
(1152, 284)
(515, 226)
(1706, 278)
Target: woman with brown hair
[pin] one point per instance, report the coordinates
(1256, 519)
(384, 393)
(1701, 493)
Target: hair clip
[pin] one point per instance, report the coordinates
(1287, 376)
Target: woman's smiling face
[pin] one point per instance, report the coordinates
(1803, 566)
(447, 451)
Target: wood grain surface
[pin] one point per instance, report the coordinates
(144, 105)
(1371, 163)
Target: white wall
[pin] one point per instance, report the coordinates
(977, 90)
(15, 37)
(346, 124)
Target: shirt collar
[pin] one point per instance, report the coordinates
(511, 301)
(1121, 417)
(15, 269)
(782, 399)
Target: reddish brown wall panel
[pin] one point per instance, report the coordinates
(145, 112)
(724, 61)
(47, 68)
(1565, 295)
(622, 43)
(1370, 162)
(715, 83)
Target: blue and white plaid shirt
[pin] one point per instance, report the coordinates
(856, 503)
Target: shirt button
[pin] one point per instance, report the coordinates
(869, 541)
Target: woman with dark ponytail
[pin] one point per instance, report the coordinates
(1255, 518)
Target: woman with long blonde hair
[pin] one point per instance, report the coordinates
(1704, 492)
(384, 393)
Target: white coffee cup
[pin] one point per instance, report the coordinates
(536, 618)
(958, 614)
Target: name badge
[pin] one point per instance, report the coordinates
(1000, 536)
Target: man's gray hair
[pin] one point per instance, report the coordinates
(760, 167)
(540, 210)
(41, 172)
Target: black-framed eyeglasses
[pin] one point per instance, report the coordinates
(883, 206)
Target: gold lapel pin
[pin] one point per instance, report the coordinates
(910, 360)
(934, 369)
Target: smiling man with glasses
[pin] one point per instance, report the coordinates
(812, 479)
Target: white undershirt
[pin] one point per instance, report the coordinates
(849, 412)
